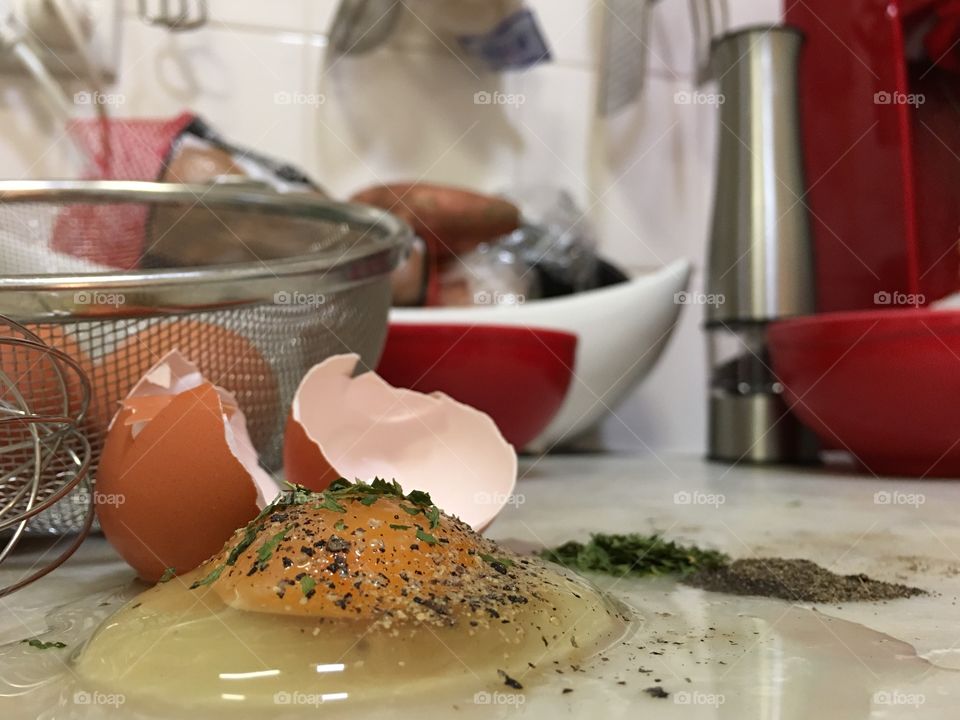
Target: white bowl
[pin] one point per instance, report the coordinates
(621, 329)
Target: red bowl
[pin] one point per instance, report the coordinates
(882, 384)
(518, 376)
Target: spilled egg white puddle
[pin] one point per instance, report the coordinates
(714, 656)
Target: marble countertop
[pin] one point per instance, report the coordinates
(897, 530)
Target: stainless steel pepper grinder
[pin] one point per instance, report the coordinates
(760, 264)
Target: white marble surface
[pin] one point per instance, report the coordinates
(846, 660)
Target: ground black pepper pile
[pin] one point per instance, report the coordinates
(796, 580)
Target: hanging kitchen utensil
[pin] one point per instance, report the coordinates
(174, 15)
(706, 26)
(361, 25)
(626, 47)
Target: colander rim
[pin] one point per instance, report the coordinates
(385, 243)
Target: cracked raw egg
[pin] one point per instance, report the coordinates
(359, 593)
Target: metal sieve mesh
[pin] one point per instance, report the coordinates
(252, 286)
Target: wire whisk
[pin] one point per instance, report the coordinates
(44, 453)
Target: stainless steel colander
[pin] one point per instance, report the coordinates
(254, 286)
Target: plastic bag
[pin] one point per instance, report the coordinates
(552, 253)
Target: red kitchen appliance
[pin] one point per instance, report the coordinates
(880, 121)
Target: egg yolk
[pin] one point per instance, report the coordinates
(384, 561)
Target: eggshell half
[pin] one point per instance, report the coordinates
(363, 427)
(178, 473)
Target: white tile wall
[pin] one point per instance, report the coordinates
(407, 111)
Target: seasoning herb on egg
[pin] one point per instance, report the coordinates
(426, 537)
(307, 585)
(44, 645)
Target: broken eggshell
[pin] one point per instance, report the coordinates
(178, 473)
(363, 427)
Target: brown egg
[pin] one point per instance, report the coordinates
(226, 358)
(168, 496)
(303, 460)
